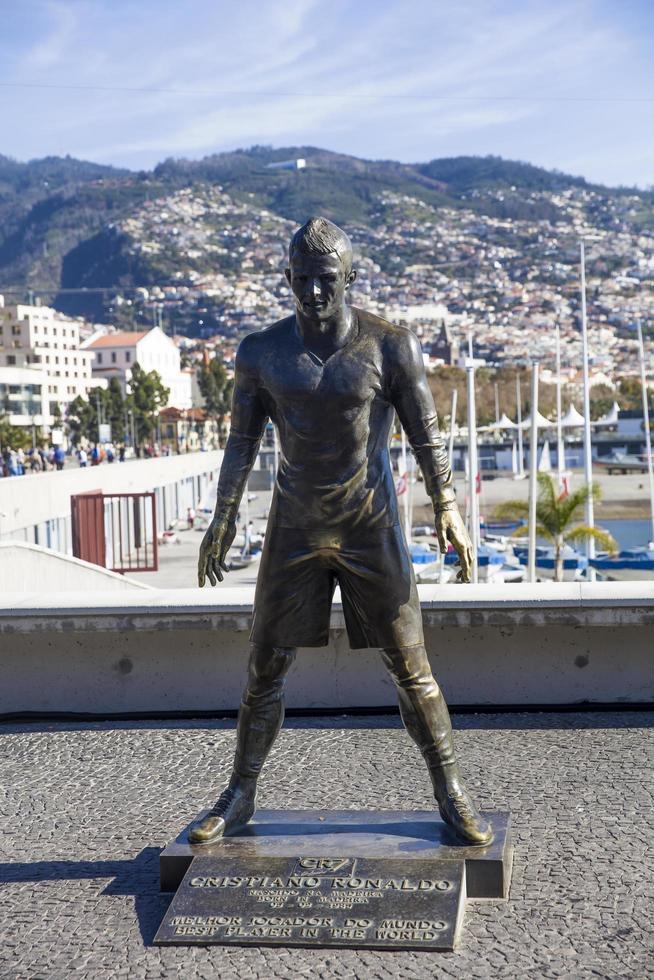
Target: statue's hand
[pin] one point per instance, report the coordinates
(213, 550)
(450, 527)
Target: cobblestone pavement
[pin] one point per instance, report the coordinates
(87, 806)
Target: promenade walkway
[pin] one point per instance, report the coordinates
(87, 806)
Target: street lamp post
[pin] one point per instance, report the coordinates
(473, 462)
(648, 437)
(518, 395)
(588, 451)
(533, 474)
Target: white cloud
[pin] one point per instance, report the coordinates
(347, 76)
(49, 50)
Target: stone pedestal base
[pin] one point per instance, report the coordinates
(379, 879)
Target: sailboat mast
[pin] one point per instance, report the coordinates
(275, 452)
(521, 456)
(560, 448)
(588, 459)
(473, 465)
(533, 474)
(648, 437)
(246, 526)
(450, 455)
(450, 449)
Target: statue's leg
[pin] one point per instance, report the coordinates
(427, 720)
(260, 718)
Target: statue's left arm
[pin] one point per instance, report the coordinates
(414, 404)
(249, 418)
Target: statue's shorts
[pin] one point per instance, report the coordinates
(300, 570)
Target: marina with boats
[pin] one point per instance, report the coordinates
(507, 466)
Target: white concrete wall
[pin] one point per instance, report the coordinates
(35, 569)
(29, 500)
(187, 650)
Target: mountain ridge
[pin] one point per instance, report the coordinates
(65, 223)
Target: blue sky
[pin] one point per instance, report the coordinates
(560, 83)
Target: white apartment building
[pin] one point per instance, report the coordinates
(115, 354)
(23, 396)
(42, 340)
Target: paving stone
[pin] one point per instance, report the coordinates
(85, 808)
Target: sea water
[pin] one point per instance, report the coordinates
(628, 533)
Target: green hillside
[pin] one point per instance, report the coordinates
(63, 221)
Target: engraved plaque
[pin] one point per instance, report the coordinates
(322, 901)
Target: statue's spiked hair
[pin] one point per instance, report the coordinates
(322, 237)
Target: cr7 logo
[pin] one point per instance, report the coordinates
(324, 866)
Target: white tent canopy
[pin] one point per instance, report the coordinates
(611, 416)
(541, 422)
(572, 418)
(504, 423)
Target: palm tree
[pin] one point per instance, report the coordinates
(556, 515)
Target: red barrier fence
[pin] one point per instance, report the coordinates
(116, 530)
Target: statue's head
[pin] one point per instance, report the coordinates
(320, 268)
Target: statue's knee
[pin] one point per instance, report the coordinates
(410, 669)
(278, 665)
(267, 669)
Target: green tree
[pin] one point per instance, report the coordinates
(216, 389)
(13, 436)
(601, 400)
(82, 421)
(147, 397)
(113, 405)
(443, 379)
(556, 515)
(630, 395)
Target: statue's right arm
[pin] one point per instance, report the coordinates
(249, 418)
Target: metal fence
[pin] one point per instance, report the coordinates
(116, 530)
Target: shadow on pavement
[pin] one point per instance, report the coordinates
(138, 877)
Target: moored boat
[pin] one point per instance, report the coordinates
(575, 565)
(628, 565)
(499, 527)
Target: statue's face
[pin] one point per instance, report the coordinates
(319, 283)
